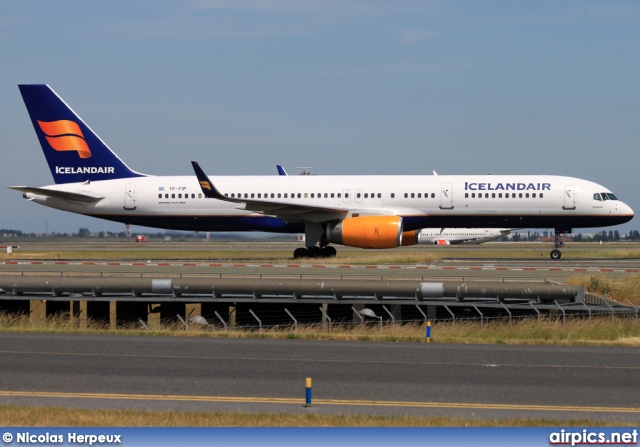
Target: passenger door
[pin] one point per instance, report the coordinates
(446, 196)
(569, 198)
(130, 196)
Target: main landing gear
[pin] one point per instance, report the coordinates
(557, 243)
(314, 252)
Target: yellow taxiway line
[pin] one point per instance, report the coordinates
(294, 401)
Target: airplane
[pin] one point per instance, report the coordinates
(455, 236)
(368, 211)
(446, 236)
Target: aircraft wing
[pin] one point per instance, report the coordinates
(65, 195)
(287, 211)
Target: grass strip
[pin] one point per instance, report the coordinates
(48, 416)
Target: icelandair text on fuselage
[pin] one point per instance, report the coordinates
(85, 170)
(507, 186)
(72, 438)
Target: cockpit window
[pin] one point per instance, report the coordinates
(611, 196)
(605, 196)
(596, 196)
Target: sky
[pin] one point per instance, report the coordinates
(347, 87)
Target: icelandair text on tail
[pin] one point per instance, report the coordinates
(85, 170)
(71, 438)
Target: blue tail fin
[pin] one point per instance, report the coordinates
(74, 152)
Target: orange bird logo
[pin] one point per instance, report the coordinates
(65, 135)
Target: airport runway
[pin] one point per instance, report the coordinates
(207, 374)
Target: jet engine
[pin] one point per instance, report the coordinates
(410, 238)
(366, 232)
(441, 242)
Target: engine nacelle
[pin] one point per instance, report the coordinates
(441, 242)
(410, 238)
(366, 232)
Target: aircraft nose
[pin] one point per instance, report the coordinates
(626, 210)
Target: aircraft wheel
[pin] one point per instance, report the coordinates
(300, 253)
(329, 252)
(314, 252)
(555, 254)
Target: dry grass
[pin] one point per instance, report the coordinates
(13, 416)
(620, 288)
(601, 331)
(282, 252)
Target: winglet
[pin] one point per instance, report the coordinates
(281, 170)
(207, 186)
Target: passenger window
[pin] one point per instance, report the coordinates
(312, 195)
(199, 196)
(500, 195)
(286, 195)
(346, 195)
(299, 195)
(527, 195)
(179, 196)
(173, 196)
(541, 195)
(358, 195)
(406, 195)
(273, 195)
(326, 195)
(520, 195)
(193, 196)
(393, 195)
(433, 195)
(366, 195)
(493, 195)
(306, 195)
(473, 195)
(533, 195)
(279, 195)
(339, 195)
(159, 196)
(332, 195)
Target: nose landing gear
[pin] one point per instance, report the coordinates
(557, 243)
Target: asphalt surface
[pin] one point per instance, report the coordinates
(207, 374)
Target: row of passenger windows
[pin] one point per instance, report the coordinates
(500, 195)
(173, 196)
(596, 196)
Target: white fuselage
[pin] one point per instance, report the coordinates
(443, 201)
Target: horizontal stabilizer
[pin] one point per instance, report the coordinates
(65, 195)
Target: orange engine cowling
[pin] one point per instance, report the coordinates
(367, 232)
(442, 242)
(410, 238)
